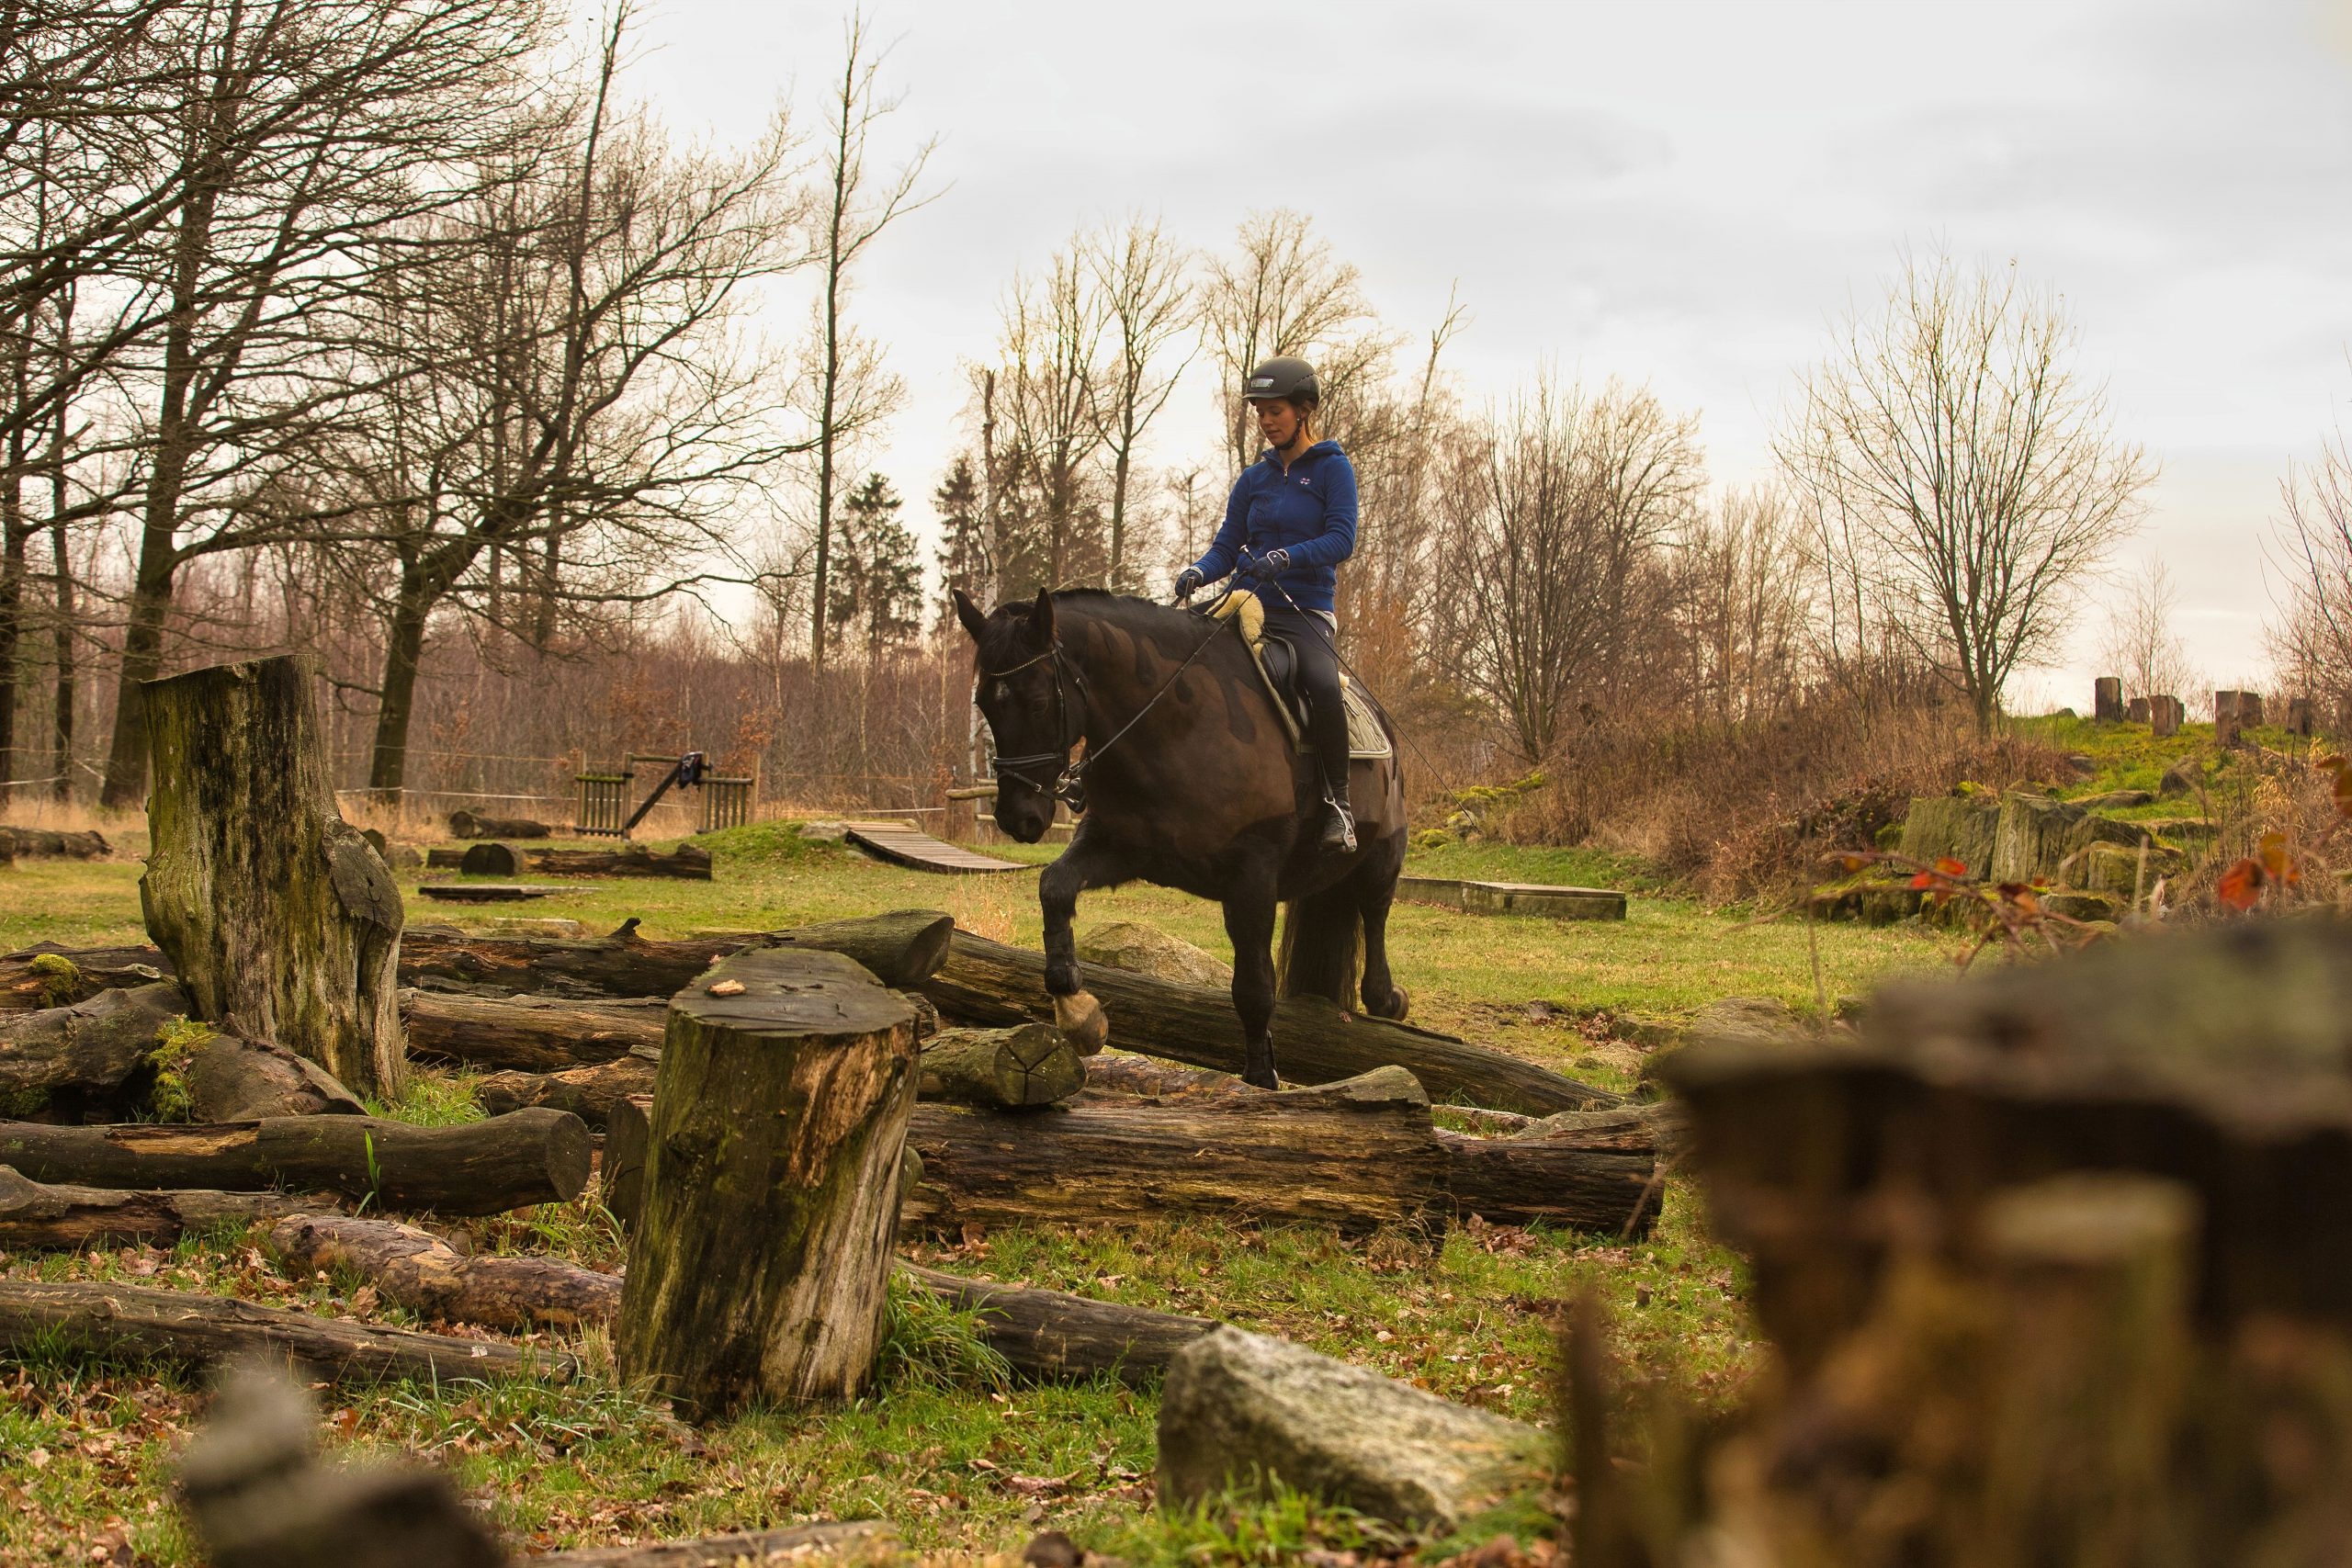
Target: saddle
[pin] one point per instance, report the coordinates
(1278, 668)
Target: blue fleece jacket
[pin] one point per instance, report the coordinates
(1310, 511)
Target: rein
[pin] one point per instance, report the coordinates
(1069, 786)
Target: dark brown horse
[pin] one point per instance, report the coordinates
(1187, 779)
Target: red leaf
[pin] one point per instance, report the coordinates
(2280, 866)
(2241, 885)
(1925, 879)
(1947, 866)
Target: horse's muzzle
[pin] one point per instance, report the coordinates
(1025, 819)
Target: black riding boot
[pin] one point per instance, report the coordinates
(1327, 725)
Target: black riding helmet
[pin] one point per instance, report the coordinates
(1284, 377)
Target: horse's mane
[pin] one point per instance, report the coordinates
(1008, 623)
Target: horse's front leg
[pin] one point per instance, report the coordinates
(1250, 922)
(1076, 869)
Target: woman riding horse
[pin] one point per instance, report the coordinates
(1188, 777)
(1289, 523)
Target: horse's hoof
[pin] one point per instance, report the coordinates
(1256, 1079)
(1399, 1003)
(1082, 1018)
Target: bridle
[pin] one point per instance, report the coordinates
(1069, 783)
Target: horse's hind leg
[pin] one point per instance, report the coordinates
(1079, 868)
(1383, 996)
(1250, 921)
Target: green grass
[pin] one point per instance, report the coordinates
(944, 1448)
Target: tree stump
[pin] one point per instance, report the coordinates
(758, 1267)
(2164, 715)
(2107, 698)
(1032, 1064)
(274, 911)
(490, 858)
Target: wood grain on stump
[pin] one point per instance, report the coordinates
(275, 912)
(759, 1263)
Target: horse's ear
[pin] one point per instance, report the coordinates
(1041, 619)
(969, 614)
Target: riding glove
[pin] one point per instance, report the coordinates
(1189, 581)
(1277, 561)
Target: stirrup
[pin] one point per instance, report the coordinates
(1339, 829)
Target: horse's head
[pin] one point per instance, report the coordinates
(1031, 702)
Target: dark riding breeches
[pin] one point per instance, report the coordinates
(1317, 664)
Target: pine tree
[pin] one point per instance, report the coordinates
(877, 580)
(962, 538)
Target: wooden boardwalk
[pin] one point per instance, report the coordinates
(902, 845)
(1514, 898)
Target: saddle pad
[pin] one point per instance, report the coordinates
(1367, 740)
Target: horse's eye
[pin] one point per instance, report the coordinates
(1002, 692)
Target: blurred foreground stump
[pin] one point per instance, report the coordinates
(2056, 1266)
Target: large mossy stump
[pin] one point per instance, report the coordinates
(276, 913)
(758, 1267)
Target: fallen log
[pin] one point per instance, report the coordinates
(902, 948)
(417, 1270)
(92, 1045)
(628, 1127)
(988, 982)
(1032, 1064)
(490, 858)
(48, 976)
(746, 1550)
(472, 825)
(759, 1265)
(1358, 1154)
(31, 843)
(1116, 1073)
(228, 1078)
(444, 859)
(690, 862)
(1052, 1336)
(40, 1217)
(529, 1034)
(478, 1167)
(183, 1325)
(1512, 1181)
(589, 1093)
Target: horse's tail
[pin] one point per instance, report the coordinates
(1322, 947)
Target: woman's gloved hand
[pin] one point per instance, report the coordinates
(1276, 562)
(1189, 581)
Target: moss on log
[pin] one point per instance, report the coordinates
(92, 1045)
(988, 982)
(759, 1264)
(476, 1167)
(282, 922)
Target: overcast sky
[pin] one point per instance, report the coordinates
(1684, 195)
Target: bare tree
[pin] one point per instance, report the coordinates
(1562, 507)
(2310, 635)
(1047, 389)
(1138, 274)
(1283, 292)
(578, 394)
(850, 391)
(1965, 480)
(1741, 602)
(2140, 644)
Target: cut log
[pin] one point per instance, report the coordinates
(233, 1080)
(1358, 1155)
(1116, 1073)
(689, 861)
(903, 949)
(1051, 1336)
(1251, 1412)
(444, 859)
(1519, 1182)
(477, 1167)
(274, 908)
(986, 982)
(537, 1035)
(417, 1270)
(589, 1093)
(750, 1549)
(491, 859)
(628, 1125)
(1031, 1063)
(472, 825)
(94, 1045)
(759, 1265)
(35, 843)
(46, 976)
(183, 1326)
(37, 1215)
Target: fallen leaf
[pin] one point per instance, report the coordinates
(724, 987)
